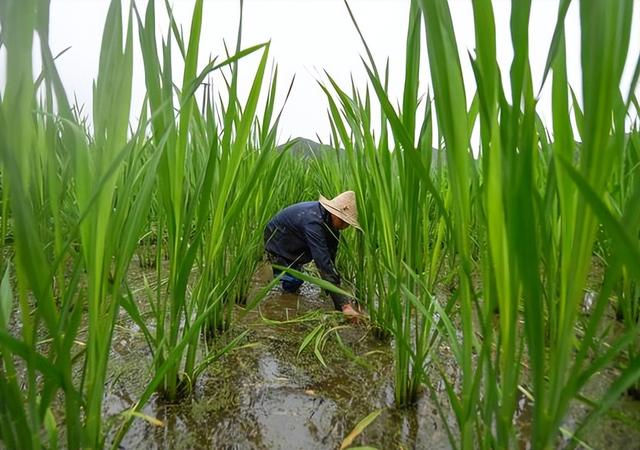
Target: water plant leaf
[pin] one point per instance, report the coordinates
(363, 448)
(578, 114)
(628, 377)
(51, 427)
(627, 247)
(310, 337)
(214, 356)
(317, 350)
(558, 37)
(311, 316)
(6, 300)
(152, 420)
(323, 284)
(359, 428)
(28, 353)
(129, 304)
(359, 360)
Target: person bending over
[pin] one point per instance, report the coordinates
(311, 230)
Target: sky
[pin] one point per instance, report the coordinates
(308, 37)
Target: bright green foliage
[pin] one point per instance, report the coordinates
(487, 257)
(62, 192)
(523, 216)
(80, 202)
(390, 183)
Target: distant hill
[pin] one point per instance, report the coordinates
(308, 148)
(305, 148)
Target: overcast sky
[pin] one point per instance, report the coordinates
(307, 37)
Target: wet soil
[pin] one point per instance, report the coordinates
(267, 395)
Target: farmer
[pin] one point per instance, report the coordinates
(311, 230)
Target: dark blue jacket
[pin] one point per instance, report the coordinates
(301, 233)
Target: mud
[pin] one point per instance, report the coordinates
(267, 396)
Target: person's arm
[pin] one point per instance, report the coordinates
(319, 247)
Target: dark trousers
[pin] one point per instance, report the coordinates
(288, 282)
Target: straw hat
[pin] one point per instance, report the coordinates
(344, 207)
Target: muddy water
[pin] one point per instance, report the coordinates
(266, 396)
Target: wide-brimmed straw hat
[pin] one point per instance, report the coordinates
(344, 207)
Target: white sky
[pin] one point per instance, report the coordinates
(307, 37)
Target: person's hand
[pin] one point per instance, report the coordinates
(349, 312)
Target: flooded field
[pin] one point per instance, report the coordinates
(489, 225)
(265, 395)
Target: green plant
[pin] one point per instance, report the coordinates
(196, 170)
(523, 217)
(80, 212)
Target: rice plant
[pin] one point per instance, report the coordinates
(517, 206)
(390, 183)
(480, 263)
(524, 216)
(203, 153)
(79, 199)
(79, 205)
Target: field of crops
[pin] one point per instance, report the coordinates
(500, 284)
